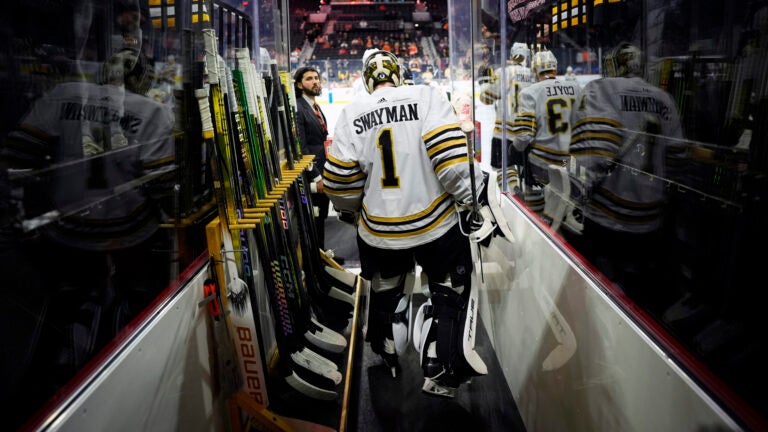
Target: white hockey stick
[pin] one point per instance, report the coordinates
(563, 334)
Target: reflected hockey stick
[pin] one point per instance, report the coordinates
(556, 196)
(563, 334)
(494, 203)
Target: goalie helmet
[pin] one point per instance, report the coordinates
(624, 61)
(543, 61)
(141, 77)
(519, 52)
(115, 70)
(368, 53)
(379, 67)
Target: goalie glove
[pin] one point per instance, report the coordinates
(482, 225)
(478, 225)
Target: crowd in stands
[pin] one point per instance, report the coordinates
(335, 45)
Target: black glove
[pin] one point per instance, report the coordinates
(347, 216)
(478, 225)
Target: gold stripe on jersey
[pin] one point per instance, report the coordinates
(458, 142)
(592, 152)
(609, 136)
(412, 225)
(591, 121)
(549, 155)
(344, 173)
(446, 146)
(525, 121)
(341, 163)
(629, 212)
(344, 178)
(450, 162)
(415, 217)
(596, 136)
(488, 97)
(342, 192)
(450, 127)
(437, 223)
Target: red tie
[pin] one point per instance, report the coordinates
(320, 117)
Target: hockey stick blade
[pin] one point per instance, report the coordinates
(308, 389)
(324, 337)
(340, 284)
(566, 340)
(315, 369)
(494, 203)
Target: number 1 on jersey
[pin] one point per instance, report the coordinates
(387, 150)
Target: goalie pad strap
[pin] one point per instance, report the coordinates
(388, 316)
(447, 311)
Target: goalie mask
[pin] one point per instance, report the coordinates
(624, 61)
(380, 67)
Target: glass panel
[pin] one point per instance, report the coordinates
(654, 167)
(104, 188)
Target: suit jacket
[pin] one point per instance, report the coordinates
(311, 134)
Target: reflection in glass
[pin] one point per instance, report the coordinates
(665, 189)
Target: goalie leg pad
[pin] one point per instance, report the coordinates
(388, 319)
(439, 328)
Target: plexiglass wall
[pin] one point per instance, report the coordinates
(653, 167)
(104, 188)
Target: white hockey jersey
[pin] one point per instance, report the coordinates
(400, 158)
(624, 131)
(97, 184)
(543, 123)
(517, 77)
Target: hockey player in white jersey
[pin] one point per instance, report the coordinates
(569, 74)
(399, 158)
(102, 160)
(517, 76)
(542, 127)
(624, 129)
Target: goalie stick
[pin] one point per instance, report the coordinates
(478, 276)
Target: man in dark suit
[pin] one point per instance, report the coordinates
(313, 131)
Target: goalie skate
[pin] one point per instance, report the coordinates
(432, 387)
